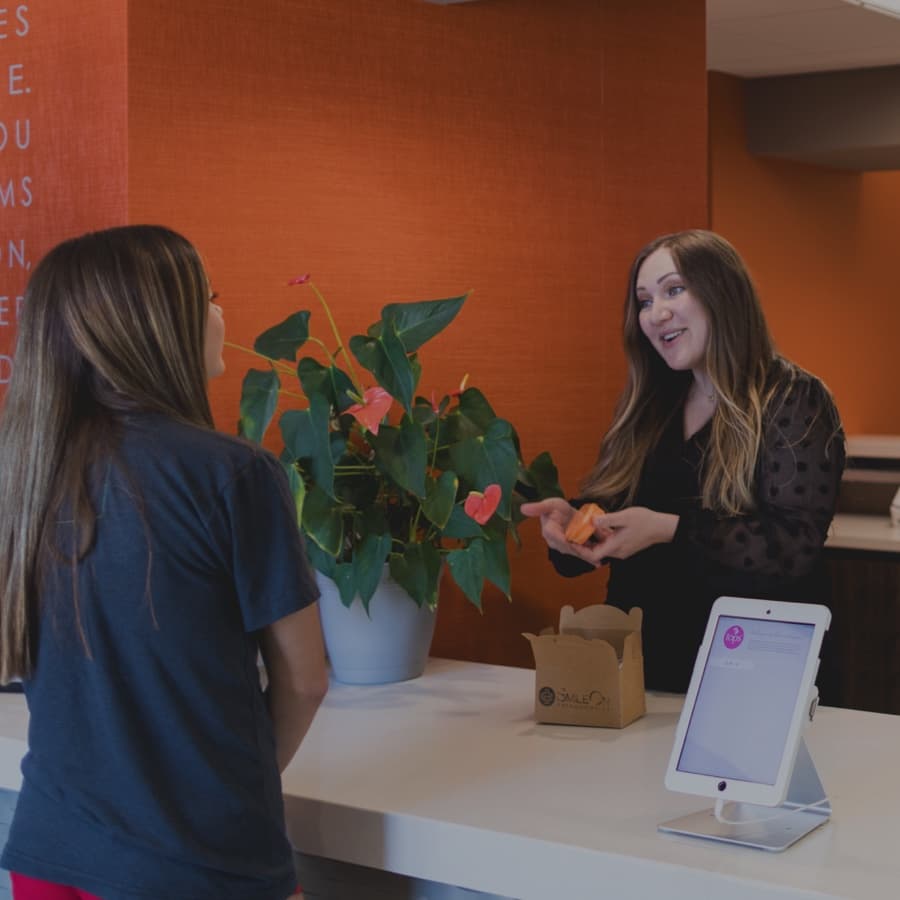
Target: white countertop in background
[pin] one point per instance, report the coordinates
(855, 532)
(874, 446)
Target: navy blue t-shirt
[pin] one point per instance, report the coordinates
(151, 768)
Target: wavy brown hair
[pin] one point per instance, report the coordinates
(741, 363)
(112, 321)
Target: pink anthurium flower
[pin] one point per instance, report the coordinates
(462, 386)
(481, 507)
(300, 279)
(375, 404)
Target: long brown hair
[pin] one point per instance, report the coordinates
(740, 362)
(112, 321)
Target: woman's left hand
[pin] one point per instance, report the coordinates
(628, 531)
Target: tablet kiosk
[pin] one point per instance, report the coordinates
(740, 735)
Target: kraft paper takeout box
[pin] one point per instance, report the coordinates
(592, 671)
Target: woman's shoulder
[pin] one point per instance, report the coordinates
(789, 384)
(798, 399)
(182, 445)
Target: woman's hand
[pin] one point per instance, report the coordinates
(555, 515)
(617, 535)
(624, 533)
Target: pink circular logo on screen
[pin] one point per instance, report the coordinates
(734, 637)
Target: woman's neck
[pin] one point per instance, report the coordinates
(702, 386)
(699, 405)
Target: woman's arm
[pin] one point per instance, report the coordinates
(294, 655)
(798, 476)
(626, 532)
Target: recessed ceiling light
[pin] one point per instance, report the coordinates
(888, 7)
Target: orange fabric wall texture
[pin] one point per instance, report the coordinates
(63, 102)
(820, 243)
(406, 151)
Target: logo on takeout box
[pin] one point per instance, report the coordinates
(573, 699)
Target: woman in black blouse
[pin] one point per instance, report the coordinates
(721, 468)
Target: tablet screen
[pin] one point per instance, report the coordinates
(746, 699)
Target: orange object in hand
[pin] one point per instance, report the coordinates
(581, 525)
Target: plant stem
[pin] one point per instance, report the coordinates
(274, 363)
(437, 431)
(325, 350)
(415, 523)
(337, 337)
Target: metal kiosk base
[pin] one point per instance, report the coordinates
(772, 828)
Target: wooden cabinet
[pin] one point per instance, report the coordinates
(862, 556)
(865, 629)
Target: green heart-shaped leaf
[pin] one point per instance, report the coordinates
(297, 486)
(385, 357)
(306, 435)
(461, 525)
(400, 454)
(440, 495)
(330, 381)
(283, 340)
(259, 397)
(417, 570)
(496, 564)
(467, 566)
(490, 458)
(320, 560)
(344, 578)
(323, 521)
(368, 564)
(416, 323)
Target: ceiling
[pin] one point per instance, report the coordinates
(754, 38)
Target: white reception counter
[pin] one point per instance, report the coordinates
(447, 778)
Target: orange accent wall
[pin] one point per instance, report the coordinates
(405, 151)
(521, 148)
(821, 244)
(63, 96)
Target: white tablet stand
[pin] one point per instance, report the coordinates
(805, 808)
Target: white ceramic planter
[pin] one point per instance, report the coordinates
(390, 644)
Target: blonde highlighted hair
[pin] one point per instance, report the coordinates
(113, 321)
(741, 364)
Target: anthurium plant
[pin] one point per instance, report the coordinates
(380, 474)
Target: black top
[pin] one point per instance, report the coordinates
(773, 553)
(151, 768)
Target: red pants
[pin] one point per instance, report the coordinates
(24, 888)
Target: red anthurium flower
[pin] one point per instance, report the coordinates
(374, 407)
(300, 279)
(481, 507)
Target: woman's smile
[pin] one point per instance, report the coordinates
(671, 318)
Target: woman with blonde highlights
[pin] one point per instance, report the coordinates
(145, 562)
(721, 468)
